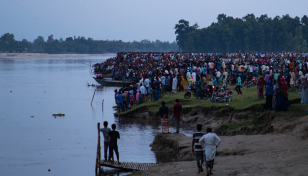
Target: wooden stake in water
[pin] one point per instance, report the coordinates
(93, 96)
(103, 105)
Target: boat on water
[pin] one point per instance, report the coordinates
(111, 82)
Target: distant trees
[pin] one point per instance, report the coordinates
(81, 45)
(247, 34)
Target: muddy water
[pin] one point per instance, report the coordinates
(33, 141)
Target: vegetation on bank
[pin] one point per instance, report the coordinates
(248, 99)
(247, 34)
(295, 110)
(81, 45)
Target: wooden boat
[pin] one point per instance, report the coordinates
(111, 82)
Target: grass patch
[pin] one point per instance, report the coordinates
(247, 99)
(295, 110)
(233, 126)
(222, 109)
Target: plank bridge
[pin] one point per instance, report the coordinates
(127, 166)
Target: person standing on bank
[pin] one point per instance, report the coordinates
(163, 112)
(197, 148)
(105, 131)
(177, 108)
(208, 142)
(238, 86)
(113, 143)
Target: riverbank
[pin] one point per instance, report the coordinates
(46, 56)
(244, 115)
(248, 99)
(283, 152)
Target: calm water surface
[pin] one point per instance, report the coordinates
(65, 145)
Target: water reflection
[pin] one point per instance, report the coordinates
(104, 171)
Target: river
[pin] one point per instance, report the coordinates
(33, 141)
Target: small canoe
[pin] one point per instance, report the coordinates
(111, 82)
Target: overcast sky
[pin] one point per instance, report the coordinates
(127, 20)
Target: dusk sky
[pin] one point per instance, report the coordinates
(127, 20)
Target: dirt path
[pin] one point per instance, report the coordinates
(284, 152)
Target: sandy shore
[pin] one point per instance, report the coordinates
(45, 55)
(284, 152)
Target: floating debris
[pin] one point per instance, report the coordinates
(11, 91)
(58, 114)
(93, 85)
(49, 170)
(31, 116)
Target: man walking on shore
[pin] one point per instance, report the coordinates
(208, 142)
(177, 108)
(105, 131)
(197, 148)
(113, 142)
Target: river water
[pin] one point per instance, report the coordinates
(33, 141)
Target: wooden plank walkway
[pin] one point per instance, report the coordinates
(129, 166)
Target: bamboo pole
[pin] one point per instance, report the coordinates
(98, 149)
(103, 105)
(93, 96)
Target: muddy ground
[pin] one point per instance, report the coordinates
(279, 147)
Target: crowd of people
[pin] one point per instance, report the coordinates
(153, 74)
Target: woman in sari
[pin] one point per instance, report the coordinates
(282, 101)
(190, 81)
(292, 80)
(269, 95)
(260, 86)
(214, 81)
(266, 77)
(127, 99)
(304, 82)
(182, 83)
(131, 98)
(137, 97)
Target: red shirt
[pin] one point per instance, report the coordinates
(177, 108)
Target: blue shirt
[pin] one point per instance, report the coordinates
(120, 98)
(208, 69)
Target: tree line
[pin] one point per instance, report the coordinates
(247, 34)
(81, 45)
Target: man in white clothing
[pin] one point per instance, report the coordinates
(174, 84)
(143, 92)
(194, 76)
(208, 142)
(187, 76)
(147, 84)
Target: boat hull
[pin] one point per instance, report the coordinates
(110, 82)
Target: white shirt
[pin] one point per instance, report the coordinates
(250, 69)
(163, 80)
(174, 83)
(147, 82)
(143, 90)
(218, 74)
(208, 142)
(188, 75)
(194, 76)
